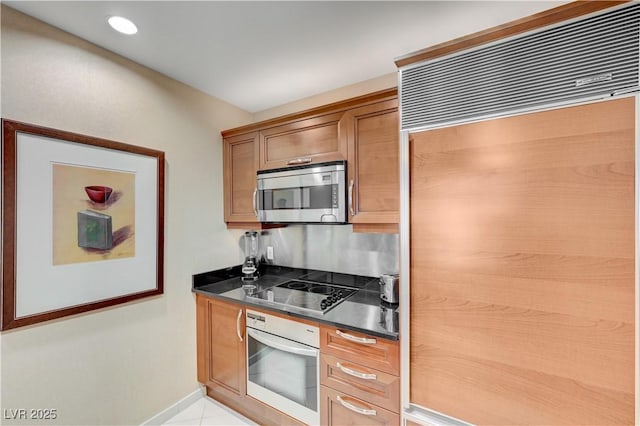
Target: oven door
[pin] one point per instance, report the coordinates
(284, 374)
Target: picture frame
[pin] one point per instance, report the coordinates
(82, 223)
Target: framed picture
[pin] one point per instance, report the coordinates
(82, 223)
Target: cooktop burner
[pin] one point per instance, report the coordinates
(305, 296)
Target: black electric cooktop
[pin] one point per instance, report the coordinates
(305, 296)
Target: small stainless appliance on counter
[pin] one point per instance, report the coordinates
(389, 284)
(251, 261)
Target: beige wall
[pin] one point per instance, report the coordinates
(125, 364)
(368, 86)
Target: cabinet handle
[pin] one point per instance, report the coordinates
(238, 325)
(362, 340)
(302, 160)
(350, 406)
(354, 373)
(353, 213)
(255, 202)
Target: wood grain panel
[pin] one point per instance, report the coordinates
(382, 354)
(333, 413)
(556, 344)
(506, 395)
(342, 105)
(383, 391)
(522, 266)
(373, 141)
(240, 166)
(380, 228)
(226, 351)
(202, 342)
(581, 122)
(315, 138)
(319, 140)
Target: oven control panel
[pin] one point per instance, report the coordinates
(289, 329)
(255, 320)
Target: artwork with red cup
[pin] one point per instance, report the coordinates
(98, 194)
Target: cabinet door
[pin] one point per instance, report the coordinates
(240, 166)
(339, 409)
(313, 140)
(221, 354)
(372, 132)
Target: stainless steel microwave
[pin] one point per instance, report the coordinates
(312, 193)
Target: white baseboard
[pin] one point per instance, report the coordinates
(163, 416)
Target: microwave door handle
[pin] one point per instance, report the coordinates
(255, 202)
(281, 344)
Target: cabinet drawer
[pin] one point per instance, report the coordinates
(374, 352)
(362, 382)
(341, 409)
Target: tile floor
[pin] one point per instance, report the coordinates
(207, 412)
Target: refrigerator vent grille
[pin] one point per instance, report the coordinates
(593, 56)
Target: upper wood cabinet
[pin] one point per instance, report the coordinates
(363, 130)
(314, 140)
(240, 166)
(372, 134)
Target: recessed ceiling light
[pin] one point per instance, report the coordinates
(122, 25)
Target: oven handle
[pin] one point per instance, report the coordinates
(281, 343)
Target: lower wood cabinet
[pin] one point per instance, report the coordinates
(220, 345)
(368, 384)
(359, 377)
(381, 354)
(342, 409)
(359, 374)
(221, 356)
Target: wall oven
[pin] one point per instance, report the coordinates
(283, 365)
(312, 193)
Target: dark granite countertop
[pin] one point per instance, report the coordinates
(362, 312)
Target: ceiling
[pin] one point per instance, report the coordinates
(258, 55)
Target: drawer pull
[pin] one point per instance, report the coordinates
(350, 406)
(363, 340)
(354, 373)
(303, 160)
